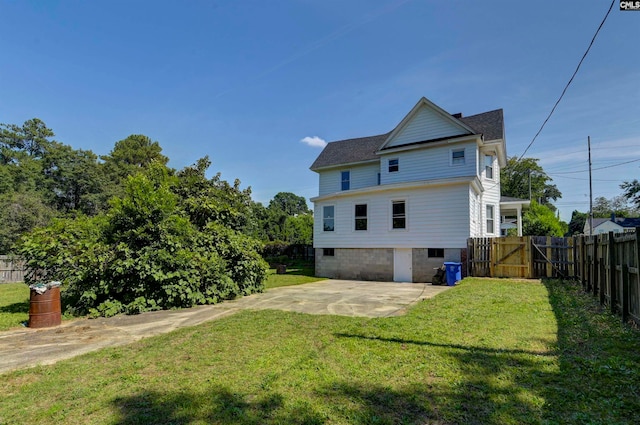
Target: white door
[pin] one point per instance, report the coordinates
(402, 271)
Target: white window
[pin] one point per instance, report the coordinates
(346, 180)
(398, 215)
(490, 219)
(394, 165)
(488, 166)
(361, 217)
(457, 156)
(328, 218)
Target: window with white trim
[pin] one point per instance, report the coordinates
(491, 221)
(457, 156)
(328, 218)
(394, 165)
(488, 166)
(398, 215)
(345, 179)
(361, 217)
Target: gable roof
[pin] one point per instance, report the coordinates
(620, 221)
(349, 151)
(362, 149)
(442, 125)
(489, 124)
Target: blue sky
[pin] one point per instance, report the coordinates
(246, 81)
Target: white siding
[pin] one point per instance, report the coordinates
(436, 217)
(429, 163)
(491, 196)
(608, 226)
(474, 225)
(361, 176)
(426, 124)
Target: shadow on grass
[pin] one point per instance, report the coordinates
(492, 386)
(599, 358)
(450, 346)
(22, 307)
(220, 406)
(591, 376)
(217, 406)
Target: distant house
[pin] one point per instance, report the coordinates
(395, 205)
(612, 224)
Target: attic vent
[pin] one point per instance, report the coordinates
(458, 115)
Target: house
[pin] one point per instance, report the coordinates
(395, 206)
(613, 224)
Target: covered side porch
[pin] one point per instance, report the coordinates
(511, 214)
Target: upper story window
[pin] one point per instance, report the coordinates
(345, 177)
(490, 219)
(328, 218)
(361, 217)
(488, 166)
(394, 165)
(399, 215)
(457, 156)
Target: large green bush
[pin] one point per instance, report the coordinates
(144, 254)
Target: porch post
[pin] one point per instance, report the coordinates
(519, 209)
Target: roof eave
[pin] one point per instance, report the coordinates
(343, 165)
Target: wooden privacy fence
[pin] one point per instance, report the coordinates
(607, 265)
(11, 269)
(525, 257)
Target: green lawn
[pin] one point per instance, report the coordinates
(14, 305)
(297, 274)
(14, 297)
(484, 352)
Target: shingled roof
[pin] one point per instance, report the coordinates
(349, 151)
(489, 124)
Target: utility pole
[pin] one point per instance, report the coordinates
(590, 189)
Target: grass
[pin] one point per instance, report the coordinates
(484, 352)
(14, 305)
(14, 297)
(298, 272)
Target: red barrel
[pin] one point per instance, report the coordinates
(45, 309)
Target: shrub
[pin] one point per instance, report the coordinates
(143, 255)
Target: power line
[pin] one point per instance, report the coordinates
(583, 179)
(570, 80)
(599, 168)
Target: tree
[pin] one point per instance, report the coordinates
(298, 229)
(21, 212)
(207, 200)
(540, 220)
(128, 157)
(289, 203)
(525, 179)
(576, 225)
(618, 206)
(632, 192)
(73, 179)
(33, 138)
(145, 253)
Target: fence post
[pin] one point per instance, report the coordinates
(602, 277)
(612, 273)
(583, 262)
(624, 300)
(549, 266)
(596, 266)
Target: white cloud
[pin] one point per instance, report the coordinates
(314, 141)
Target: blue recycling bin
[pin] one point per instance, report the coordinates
(454, 272)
